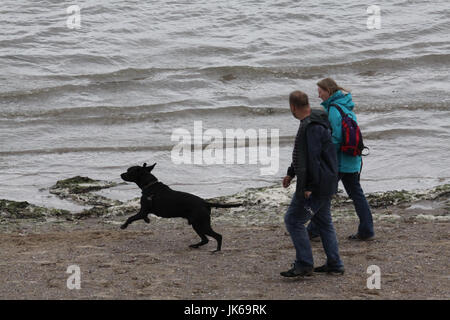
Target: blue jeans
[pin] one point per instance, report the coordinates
(296, 217)
(355, 192)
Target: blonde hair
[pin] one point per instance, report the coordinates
(330, 85)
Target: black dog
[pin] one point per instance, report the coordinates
(159, 199)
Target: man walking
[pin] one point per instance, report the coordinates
(314, 162)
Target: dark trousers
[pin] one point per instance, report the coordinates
(355, 192)
(295, 218)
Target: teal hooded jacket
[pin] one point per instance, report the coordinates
(347, 163)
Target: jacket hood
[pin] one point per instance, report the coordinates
(319, 116)
(341, 99)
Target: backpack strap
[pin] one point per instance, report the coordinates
(343, 114)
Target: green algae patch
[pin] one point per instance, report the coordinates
(78, 184)
(269, 204)
(23, 210)
(127, 209)
(439, 192)
(395, 197)
(391, 198)
(92, 212)
(80, 190)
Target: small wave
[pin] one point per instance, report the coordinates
(36, 92)
(83, 81)
(410, 106)
(117, 115)
(84, 150)
(400, 132)
(361, 67)
(282, 141)
(126, 74)
(109, 115)
(225, 111)
(162, 112)
(358, 66)
(100, 111)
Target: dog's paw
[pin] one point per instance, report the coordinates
(147, 220)
(124, 226)
(195, 246)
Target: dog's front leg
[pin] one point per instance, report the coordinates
(146, 206)
(140, 215)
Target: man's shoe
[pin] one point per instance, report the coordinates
(297, 272)
(357, 237)
(327, 269)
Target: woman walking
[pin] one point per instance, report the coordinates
(349, 166)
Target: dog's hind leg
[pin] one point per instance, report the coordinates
(216, 236)
(200, 231)
(204, 229)
(210, 232)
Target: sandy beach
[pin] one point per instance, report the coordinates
(153, 261)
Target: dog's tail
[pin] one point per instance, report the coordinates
(223, 205)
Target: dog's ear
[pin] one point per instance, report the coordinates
(149, 169)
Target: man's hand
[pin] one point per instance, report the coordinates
(307, 194)
(287, 181)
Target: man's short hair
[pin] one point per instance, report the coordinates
(298, 99)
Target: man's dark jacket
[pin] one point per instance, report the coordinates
(314, 159)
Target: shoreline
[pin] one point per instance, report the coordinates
(153, 261)
(260, 204)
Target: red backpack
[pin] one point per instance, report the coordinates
(352, 140)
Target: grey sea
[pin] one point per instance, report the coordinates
(97, 99)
